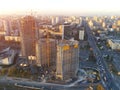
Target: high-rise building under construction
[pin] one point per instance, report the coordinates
(27, 34)
(67, 62)
(46, 52)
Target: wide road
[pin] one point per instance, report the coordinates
(33, 84)
(109, 83)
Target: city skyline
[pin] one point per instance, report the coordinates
(61, 7)
(53, 52)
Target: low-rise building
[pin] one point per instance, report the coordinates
(13, 38)
(118, 22)
(7, 56)
(114, 44)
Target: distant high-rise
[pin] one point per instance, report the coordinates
(81, 34)
(53, 21)
(1, 23)
(61, 30)
(67, 62)
(7, 27)
(57, 20)
(27, 33)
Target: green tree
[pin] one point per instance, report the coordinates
(4, 71)
(12, 71)
(100, 87)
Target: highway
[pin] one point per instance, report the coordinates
(106, 77)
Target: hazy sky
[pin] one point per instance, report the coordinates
(60, 6)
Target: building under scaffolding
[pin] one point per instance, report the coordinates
(46, 52)
(67, 59)
(27, 34)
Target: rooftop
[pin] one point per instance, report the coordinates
(67, 42)
(116, 64)
(115, 41)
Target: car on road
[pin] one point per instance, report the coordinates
(104, 78)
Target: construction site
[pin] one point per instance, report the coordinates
(27, 36)
(60, 54)
(41, 45)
